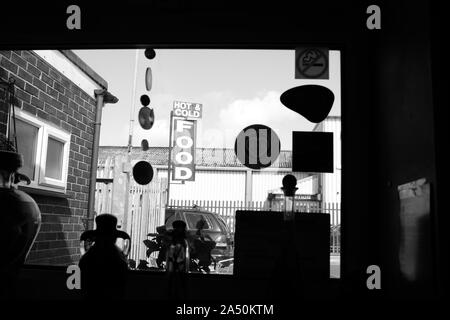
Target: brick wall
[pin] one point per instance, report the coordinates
(43, 91)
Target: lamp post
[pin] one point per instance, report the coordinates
(127, 164)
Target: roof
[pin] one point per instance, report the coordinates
(76, 60)
(206, 157)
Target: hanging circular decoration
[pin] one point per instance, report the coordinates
(143, 172)
(150, 53)
(146, 118)
(145, 100)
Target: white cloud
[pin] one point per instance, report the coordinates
(265, 109)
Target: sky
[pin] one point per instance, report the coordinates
(237, 88)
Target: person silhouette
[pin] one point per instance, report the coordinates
(103, 267)
(20, 219)
(202, 245)
(177, 260)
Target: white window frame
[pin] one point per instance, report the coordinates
(64, 138)
(46, 130)
(37, 158)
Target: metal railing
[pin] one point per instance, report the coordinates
(227, 210)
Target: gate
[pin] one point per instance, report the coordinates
(145, 213)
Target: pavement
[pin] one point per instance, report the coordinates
(335, 267)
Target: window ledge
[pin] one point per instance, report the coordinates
(42, 192)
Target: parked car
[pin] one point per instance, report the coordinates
(215, 227)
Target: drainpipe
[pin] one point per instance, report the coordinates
(103, 97)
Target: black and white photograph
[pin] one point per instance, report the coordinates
(223, 159)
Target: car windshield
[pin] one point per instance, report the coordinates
(194, 218)
(222, 223)
(171, 219)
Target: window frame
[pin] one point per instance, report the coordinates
(29, 119)
(344, 101)
(63, 137)
(46, 130)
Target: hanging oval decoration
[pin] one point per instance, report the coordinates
(144, 145)
(148, 79)
(146, 118)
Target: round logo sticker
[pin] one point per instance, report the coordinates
(257, 146)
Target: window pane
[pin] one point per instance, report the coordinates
(219, 183)
(27, 136)
(210, 167)
(223, 224)
(213, 222)
(193, 219)
(169, 222)
(53, 167)
(207, 223)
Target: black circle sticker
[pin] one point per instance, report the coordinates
(312, 63)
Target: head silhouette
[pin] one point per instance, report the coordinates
(179, 230)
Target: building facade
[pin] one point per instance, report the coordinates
(219, 178)
(55, 109)
(331, 182)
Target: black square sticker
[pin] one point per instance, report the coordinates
(312, 151)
